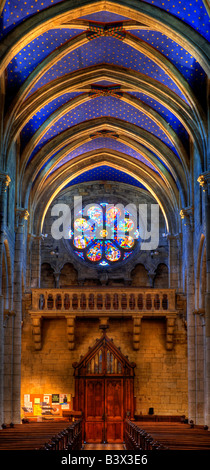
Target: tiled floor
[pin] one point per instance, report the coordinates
(103, 447)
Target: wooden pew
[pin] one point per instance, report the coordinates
(42, 436)
(165, 436)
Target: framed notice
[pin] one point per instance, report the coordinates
(46, 399)
(55, 398)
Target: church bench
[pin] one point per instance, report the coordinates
(165, 435)
(45, 436)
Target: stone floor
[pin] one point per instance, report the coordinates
(103, 446)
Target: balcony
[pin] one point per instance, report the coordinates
(86, 301)
(103, 302)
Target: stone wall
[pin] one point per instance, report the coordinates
(160, 375)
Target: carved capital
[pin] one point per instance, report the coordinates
(187, 215)
(204, 181)
(5, 181)
(21, 216)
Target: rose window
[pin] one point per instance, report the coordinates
(104, 235)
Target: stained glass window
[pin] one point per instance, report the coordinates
(104, 234)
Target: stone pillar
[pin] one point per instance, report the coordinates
(21, 217)
(57, 279)
(187, 216)
(173, 262)
(204, 181)
(4, 183)
(34, 261)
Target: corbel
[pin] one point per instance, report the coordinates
(170, 324)
(36, 331)
(136, 331)
(70, 320)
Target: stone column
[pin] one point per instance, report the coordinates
(173, 262)
(204, 181)
(21, 217)
(34, 261)
(4, 183)
(187, 216)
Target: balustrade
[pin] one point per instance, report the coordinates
(80, 300)
(103, 302)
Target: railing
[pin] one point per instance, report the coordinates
(96, 300)
(139, 439)
(68, 439)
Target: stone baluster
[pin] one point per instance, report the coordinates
(45, 300)
(153, 301)
(80, 302)
(112, 301)
(62, 294)
(103, 301)
(161, 300)
(136, 302)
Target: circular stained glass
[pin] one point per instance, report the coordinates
(94, 253)
(126, 242)
(80, 242)
(81, 224)
(104, 234)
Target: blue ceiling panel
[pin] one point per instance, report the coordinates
(31, 55)
(40, 117)
(193, 13)
(104, 143)
(169, 117)
(104, 17)
(16, 11)
(111, 51)
(105, 173)
(187, 65)
(102, 107)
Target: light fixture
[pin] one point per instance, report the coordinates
(55, 252)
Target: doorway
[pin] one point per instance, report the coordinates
(104, 392)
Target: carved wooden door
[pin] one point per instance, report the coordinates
(104, 391)
(94, 410)
(114, 410)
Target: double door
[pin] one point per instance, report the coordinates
(104, 410)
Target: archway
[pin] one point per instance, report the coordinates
(104, 391)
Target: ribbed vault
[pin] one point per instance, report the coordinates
(94, 83)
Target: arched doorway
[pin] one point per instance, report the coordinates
(104, 391)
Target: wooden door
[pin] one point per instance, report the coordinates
(104, 391)
(94, 410)
(114, 410)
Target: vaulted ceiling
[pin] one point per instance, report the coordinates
(102, 90)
